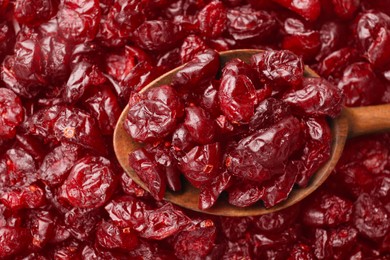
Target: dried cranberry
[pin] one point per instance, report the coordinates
(11, 111)
(81, 223)
(306, 44)
(301, 251)
(78, 20)
(200, 126)
(201, 164)
(7, 38)
(41, 224)
(192, 45)
(149, 172)
(309, 10)
(245, 193)
(269, 112)
(13, 240)
(277, 221)
(334, 64)
(90, 183)
(345, 8)
(212, 19)
(34, 12)
(210, 192)
(237, 98)
(330, 35)
(111, 236)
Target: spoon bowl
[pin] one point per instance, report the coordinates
(351, 122)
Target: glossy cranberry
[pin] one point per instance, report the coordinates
(334, 64)
(309, 10)
(157, 35)
(247, 23)
(149, 172)
(301, 251)
(201, 164)
(373, 226)
(305, 44)
(237, 98)
(358, 84)
(327, 210)
(78, 20)
(281, 69)
(41, 224)
(192, 45)
(181, 140)
(11, 111)
(330, 35)
(13, 240)
(200, 69)
(28, 196)
(200, 126)
(90, 183)
(277, 221)
(154, 116)
(7, 38)
(34, 12)
(245, 194)
(196, 242)
(317, 97)
(210, 192)
(269, 112)
(345, 8)
(212, 19)
(130, 187)
(57, 164)
(111, 236)
(209, 99)
(258, 153)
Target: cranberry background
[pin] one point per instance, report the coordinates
(68, 69)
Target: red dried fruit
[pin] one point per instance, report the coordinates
(149, 172)
(237, 98)
(327, 210)
(199, 70)
(334, 64)
(301, 252)
(306, 44)
(269, 112)
(247, 24)
(192, 45)
(11, 111)
(111, 236)
(360, 85)
(34, 12)
(277, 221)
(201, 164)
(212, 20)
(90, 183)
(257, 154)
(130, 187)
(308, 9)
(317, 97)
(41, 224)
(245, 193)
(209, 193)
(157, 35)
(57, 164)
(7, 37)
(78, 20)
(373, 226)
(345, 9)
(280, 69)
(81, 223)
(181, 141)
(13, 240)
(199, 125)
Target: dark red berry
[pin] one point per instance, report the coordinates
(212, 20)
(11, 111)
(199, 125)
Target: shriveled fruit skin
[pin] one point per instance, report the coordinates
(11, 111)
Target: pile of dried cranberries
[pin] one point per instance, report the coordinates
(254, 131)
(69, 67)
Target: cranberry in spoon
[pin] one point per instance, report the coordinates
(351, 122)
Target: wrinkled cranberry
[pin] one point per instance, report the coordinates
(78, 20)
(34, 12)
(330, 35)
(111, 236)
(149, 172)
(281, 69)
(212, 19)
(11, 111)
(237, 98)
(345, 8)
(306, 44)
(154, 116)
(201, 164)
(181, 140)
(308, 9)
(81, 223)
(269, 112)
(210, 192)
(90, 183)
(334, 64)
(317, 97)
(300, 251)
(245, 194)
(7, 38)
(13, 240)
(247, 23)
(199, 125)
(192, 45)
(277, 221)
(41, 224)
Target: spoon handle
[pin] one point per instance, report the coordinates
(367, 120)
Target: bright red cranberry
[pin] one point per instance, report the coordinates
(111, 236)
(157, 35)
(181, 140)
(57, 164)
(210, 192)
(196, 242)
(155, 115)
(308, 9)
(334, 64)
(212, 19)
(90, 183)
(317, 97)
(20, 169)
(301, 251)
(281, 69)
(78, 20)
(34, 12)
(41, 224)
(201, 164)
(257, 154)
(149, 172)
(199, 70)
(236, 67)
(245, 193)
(360, 85)
(130, 187)
(277, 221)
(331, 35)
(200, 126)
(13, 240)
(237, 98)
(306, 44)
(269, 112)
(247, 24)
(81, 223)
(12, 113)
(192, 45)
(345, 9)
(370, 218)
(209, 99)
(327, 210)
(7, 38)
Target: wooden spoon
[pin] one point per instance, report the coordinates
(351, 122)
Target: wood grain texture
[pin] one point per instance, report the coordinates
(361, 120)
